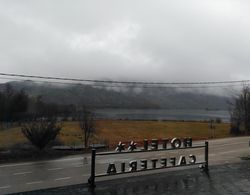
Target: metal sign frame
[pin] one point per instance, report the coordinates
(203, 164)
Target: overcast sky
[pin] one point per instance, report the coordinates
(163, 40)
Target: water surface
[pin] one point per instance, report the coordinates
(162, 114)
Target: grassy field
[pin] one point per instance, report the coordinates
(113, 131)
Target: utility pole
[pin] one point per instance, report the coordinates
(212, 128)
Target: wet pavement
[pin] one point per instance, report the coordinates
(226, 179)
(73, 170)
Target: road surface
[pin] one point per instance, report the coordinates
(70, 170)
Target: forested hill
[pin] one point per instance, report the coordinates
(125, 98)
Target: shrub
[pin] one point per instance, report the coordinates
(41, 132)
(218, 120)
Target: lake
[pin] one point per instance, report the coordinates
(162, 114)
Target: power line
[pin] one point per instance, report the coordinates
(120, 86)
(125, 82)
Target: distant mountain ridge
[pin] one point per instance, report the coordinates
(94, 97)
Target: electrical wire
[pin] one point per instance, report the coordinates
(120, 86)
(124, 82)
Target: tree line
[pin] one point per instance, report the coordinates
(18, 106)
(38, 119)
(240, 113)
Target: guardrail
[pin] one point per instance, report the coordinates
(133, 165)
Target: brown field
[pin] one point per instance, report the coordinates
(113, 131)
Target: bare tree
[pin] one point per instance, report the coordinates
(41, 131)
(240, 113)
(87, 125)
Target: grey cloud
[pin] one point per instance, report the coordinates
(136, 40)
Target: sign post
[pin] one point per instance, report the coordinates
(206, 157)
(91, 180)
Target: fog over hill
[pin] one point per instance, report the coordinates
(104, 97)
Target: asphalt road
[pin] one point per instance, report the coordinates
(28, 176)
